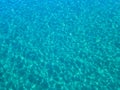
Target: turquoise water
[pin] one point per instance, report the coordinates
(59, 44)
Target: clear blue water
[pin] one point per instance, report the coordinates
(59, 44)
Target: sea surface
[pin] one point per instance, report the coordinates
(59, 44)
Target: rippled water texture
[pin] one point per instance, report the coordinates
(59, 44)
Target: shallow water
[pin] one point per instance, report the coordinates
(59, 45)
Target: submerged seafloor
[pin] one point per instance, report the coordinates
(59, 44)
